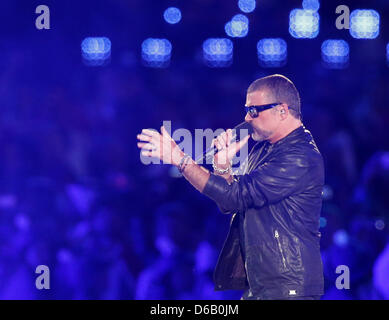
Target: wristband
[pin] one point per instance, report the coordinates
(182, 162)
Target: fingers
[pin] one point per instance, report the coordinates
(229, 137)
(164, 132)
(144, 137)
(146, 146)
(155, 144)
(242, 142)
(149, 149)
(149, 132)
(218, 145)
(215, 142)
(149, 141)
(152, 135)
(223, 140)
(149, 135)
(236, 146)
(149, 153)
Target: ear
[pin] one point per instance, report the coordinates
(284, 111)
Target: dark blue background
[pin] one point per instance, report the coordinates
(74, 194)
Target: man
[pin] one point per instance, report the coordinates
(273, 247)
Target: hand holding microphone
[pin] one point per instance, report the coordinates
(226, 150)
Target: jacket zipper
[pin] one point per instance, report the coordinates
(277, 236)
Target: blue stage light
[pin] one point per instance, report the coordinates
(322, 222)
(96, 51)
(335, 54)
(156, 53)
(172, 15)
(218, 52)
(327, 192)
(379, 224)
(304, 23)
(341, 238)
(238, 27)
(387, 54)
(272, 52)
(228, 30)
(247, 6)
(312, 5)
(364, 24)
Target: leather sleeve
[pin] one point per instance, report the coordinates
(280, 177)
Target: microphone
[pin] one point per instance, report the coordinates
(212, 150)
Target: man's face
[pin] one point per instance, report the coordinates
(267, 122)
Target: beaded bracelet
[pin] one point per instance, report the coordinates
(220, 171)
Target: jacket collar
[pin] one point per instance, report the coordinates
(293, 136)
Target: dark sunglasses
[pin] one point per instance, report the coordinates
(254, 111)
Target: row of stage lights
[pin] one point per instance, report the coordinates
(272, 52)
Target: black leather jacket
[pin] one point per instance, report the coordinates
(273, 245)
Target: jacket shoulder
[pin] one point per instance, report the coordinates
(302, 152)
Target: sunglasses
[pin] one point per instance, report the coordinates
(254, 111)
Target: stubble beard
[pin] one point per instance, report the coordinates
(260, 135)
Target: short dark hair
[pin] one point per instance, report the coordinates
(282, 89)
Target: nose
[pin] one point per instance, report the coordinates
(247, 118)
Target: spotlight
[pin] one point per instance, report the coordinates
(156, 53)
(335, 54)
(379, 224)
(96, 51)
(312, 5)
(272, 52)
(172, 15)
(247, 6)
(238, 27)
(304, 23)
(387, 54)
(218, 52)
(341, 238)
(327, 192)
(364, 24)
(228, 29)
